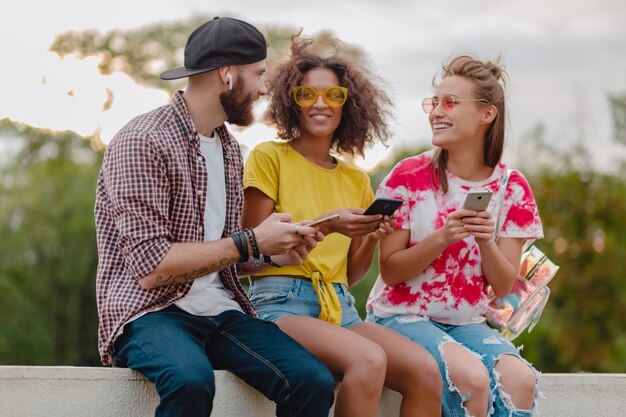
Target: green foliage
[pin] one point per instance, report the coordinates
(582, 212)
(48, 251)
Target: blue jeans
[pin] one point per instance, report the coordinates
(480, 339)
(278, 297)
(178, 352)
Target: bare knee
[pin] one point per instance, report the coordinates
(473, 377)
(368, 367)
(373, 362)
(518, 380)
(526, 380)
(467, 372)
(424, 373)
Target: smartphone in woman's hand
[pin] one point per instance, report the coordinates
(384, 206)
(477, 200)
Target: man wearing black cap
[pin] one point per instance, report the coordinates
(168, 202)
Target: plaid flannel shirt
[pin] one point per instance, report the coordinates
(151, 193)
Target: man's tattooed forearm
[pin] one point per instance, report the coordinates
(190, 276)
(248, 268)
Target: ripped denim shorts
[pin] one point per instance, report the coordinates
(480, 339)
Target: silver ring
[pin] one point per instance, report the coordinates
(297, 230)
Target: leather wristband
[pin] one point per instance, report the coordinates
(241, 242)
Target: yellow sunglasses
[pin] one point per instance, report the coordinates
(306, 96)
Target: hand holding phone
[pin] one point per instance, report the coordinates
(384, 206)
(477, 200)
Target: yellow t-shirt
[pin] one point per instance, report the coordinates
(306, 190)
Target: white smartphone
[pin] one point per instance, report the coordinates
(323, 220)
(477, 200)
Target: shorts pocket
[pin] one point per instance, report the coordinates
(346, 298)
(352, 300)
(270, 296)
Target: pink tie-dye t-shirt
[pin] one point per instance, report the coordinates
(452, 289)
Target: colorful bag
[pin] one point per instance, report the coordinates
(522, 307)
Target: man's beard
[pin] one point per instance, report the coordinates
(238, 112)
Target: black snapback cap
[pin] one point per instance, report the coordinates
(217, 43)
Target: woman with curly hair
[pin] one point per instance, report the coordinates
(436, 266)
(323, 107)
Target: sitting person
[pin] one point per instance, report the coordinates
(323, 106)
(436, 266)
(168, 202)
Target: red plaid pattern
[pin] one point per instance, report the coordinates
(151, 192)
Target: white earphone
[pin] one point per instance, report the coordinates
(229, 80)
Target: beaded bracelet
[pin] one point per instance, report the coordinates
(253, 242)
(241, 242)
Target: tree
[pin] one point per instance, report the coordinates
(48, 251)
(584, 225)
(582, 212)
(145, 52)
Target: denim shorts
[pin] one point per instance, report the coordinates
(480, 339)
(277, 297)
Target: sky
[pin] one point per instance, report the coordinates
(562, 57)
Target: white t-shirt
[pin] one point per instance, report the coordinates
(207, 296)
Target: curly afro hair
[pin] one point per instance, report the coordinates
(364, 113)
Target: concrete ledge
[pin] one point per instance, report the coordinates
(30, 391)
